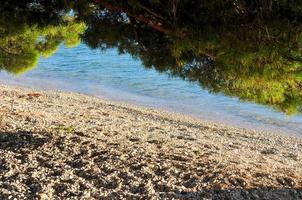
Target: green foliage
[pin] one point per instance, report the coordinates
(17, 52)
(20, 51)
(61, 128)
(53, 36)
(248, 49)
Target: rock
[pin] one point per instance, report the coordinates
(286, 181)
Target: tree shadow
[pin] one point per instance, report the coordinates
(16, 141)
(22, 142)
(240, 194)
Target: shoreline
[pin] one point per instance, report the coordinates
(149, 103)
(59, 144)
(167, 112)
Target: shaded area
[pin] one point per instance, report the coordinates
(17, 141)
(242, 194)
(71, 164)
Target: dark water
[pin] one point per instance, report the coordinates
(122, 78)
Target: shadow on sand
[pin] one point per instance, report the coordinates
(17, 141)
(240, 194)
(23, 143)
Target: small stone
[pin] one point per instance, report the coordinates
(285, 181)
(238, 182)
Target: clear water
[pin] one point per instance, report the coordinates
(122, 78)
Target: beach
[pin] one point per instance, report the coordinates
(60, 145)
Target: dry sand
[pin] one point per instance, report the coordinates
(56, 145)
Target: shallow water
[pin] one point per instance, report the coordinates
(122, 78)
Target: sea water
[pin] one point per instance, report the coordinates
(119, 77)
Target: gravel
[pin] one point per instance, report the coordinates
(57, 145)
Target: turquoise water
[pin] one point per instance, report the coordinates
(121, 78)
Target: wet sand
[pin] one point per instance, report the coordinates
(58, 145)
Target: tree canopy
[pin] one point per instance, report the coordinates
(27, 32)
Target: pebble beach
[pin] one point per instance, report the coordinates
(60, 145)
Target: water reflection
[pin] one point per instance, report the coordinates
(248, 49)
